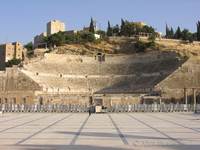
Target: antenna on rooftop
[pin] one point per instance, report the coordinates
(99, 26)
(95, 22)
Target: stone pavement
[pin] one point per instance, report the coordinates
(52, 131)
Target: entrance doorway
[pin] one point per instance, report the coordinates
(98, 102)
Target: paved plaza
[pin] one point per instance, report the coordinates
(113, 131)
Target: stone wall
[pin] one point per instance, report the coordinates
(133, 58)
(16, 85)
(89, 99)
(187, 76)
(119, 39)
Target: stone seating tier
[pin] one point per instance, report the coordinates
(105, 77)
(105, 68)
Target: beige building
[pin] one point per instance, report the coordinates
(85, 29)
(39, 41)
(71, 32)
(8, 51)
(54, 27)
(139, 24)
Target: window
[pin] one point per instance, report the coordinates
(18, 49)
(182, 100)
(60, 75)
(190, 100)
(24, 100)
(36, 73)
(8, 48)
(8, 54)
(3, 54)
(18, 54)
(5, 100)
(173, 100)
(14, 100)
(0, 100)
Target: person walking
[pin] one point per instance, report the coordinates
(89, 112)
(2, 112)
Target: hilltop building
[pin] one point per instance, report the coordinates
(85, 29)
(39, 41)
(71, 32)
(139, 24)
(54, 27)
(8, 51)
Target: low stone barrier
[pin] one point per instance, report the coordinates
(114, 109)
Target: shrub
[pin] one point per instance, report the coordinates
(97, 41)
(48, 51)
(184, 57)
(140, 46)
(151, 44)
(83, 52)
(152, 37)
(88, 36)
(12, 62)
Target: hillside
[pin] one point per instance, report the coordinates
(120, 46)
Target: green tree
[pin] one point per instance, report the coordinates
(185, 34)
(129, 28)
(57, 39)
(171, 36)
(91, 26)
(101, 32)
(148, 29)
(88, 36)
(140, 46)
(167, 31)
(116, 29)
(29, 46)
(198, 31)
(191, 39)
(123, 28)
(178, 33)
(194, 35)
(137, 29)
(12, 62)
(70, 39)
(109, 29)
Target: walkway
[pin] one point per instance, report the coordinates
(100, 131)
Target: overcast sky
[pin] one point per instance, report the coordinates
(21, 20)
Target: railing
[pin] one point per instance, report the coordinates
(116, 108)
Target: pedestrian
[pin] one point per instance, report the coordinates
(3, 112)
(89, 112)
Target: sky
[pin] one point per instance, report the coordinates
(22, 20)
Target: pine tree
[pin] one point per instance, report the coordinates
(179, 33)
(198, 31)
(171, 33)
(109, 29)
(91, 26)
(123, 27)
(185, 34)
(167, 32)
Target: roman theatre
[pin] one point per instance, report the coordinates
(151, 78)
